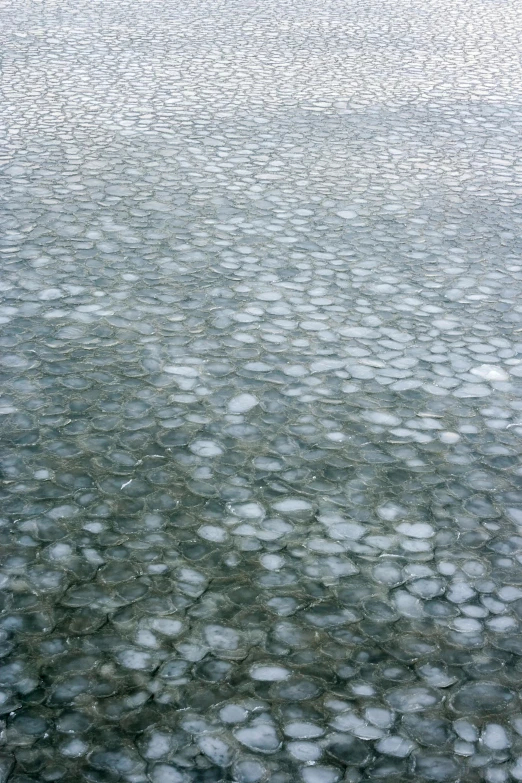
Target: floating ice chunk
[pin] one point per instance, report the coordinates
(509, 593)
(269, 673)
(413, 699)
(326, 365)
(269, 296)
(449, 437)
(381, 417)
(159, 744)
(248, 510)
(249, 771)
(395, 746)
(212, 533)
(350, 388)
(258, 367)
(60, 551)
(216, 750)
(261, 738)
(490, 372)
(74, 748)
(320, 774)
(269, 463)
(349, 530)
(347, 214)
(50, 294)
(427, 588)
(324, 546)
(135, 659)
(184, 371)
(283, 605)
(303, 730)
(292, 505)
(416, 529)
(406, 604)
(360, 371)
(272, 562)
(379, 717)
(242, 403)
(436, 676)
(336, 437)
(437, 768)
(165, 773)
(304, 751)
(494, 737)
(444, 324)
(472, 390)
(221, 638)
(459, 592)
(465, 730)
(146, 639)
(391, 511)
(205, 448)
(166, 626)
(388, 574)
(233, 713)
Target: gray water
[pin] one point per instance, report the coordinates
(261, 355)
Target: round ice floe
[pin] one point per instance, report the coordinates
(182, 370)
(205, 448)
(449, 437)
(490, 372)
(74, 748)
(233, 713)
(347, 530)
(261, 738)
(395, 746)
(242, 403)
(320, 774)
(382, 418)
(413, 699)
(135, 659)
(248, 510)
(221, 638)
(272, 562)
(249, 771)
(216, 750)
(165, 773)
(292, 505)
(439, 769)
(305, 751)
(391, 511)
(166, 626)
(494, 737)
(212, 533)
(268, 673)
(303, 730)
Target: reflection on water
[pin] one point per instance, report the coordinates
(261, 356)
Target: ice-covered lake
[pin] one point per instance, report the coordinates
(261, 403)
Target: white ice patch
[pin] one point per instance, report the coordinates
(269, 673)
(292, 506)
(242, 403)
(416, 529)
(221, 638)
(205, 448)
(490, 372)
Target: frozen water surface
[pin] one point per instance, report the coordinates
(261, 400)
